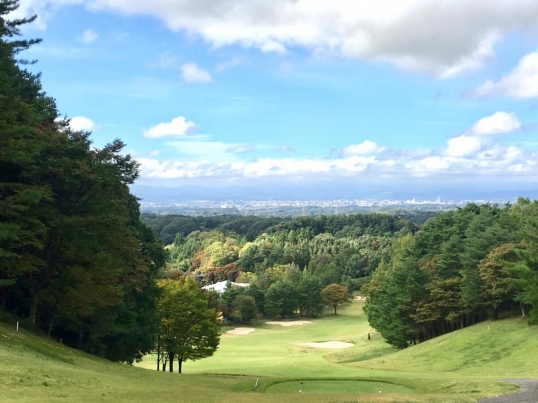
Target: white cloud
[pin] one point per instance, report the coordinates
(522, 82)
(498, 123)
(194, 74)
(81, 123)
(242, 149)
(177, 127)
(229, 64)
(42, 8)
(437, 167)
(88, 36)
(364, 148)
(406, 33)
(463, 145)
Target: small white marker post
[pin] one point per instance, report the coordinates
(256, 384)
(17, 326)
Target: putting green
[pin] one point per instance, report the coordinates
(336, 386)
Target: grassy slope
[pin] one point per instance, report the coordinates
(457, 367)
(495, 348)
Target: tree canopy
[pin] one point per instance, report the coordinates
(188, 327)
(75, 259)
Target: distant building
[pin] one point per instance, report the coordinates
(220, 287)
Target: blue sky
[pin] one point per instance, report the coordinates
(396, 95)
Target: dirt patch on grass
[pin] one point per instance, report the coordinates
(287, 324)
(238, 331)
(328, 344)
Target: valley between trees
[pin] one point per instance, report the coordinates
(80, 265)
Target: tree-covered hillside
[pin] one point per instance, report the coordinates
(75, 259)
(460, 268)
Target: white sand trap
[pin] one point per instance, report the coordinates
(286, 324)
(328, 344)
(240, 330)
(359, 298)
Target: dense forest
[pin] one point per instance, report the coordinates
(335, 249)
(420, 281)
(75, 259)
(462, 267)
(293, 266)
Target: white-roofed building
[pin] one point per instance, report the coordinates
(220, 287)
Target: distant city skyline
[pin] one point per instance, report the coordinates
(389, 96)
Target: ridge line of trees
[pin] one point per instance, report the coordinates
(462, 267)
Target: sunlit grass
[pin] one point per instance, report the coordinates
(457, 367)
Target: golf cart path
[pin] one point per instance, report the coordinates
(527, 394)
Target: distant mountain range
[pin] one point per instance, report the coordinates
(325, 192)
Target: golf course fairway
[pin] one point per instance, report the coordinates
(270, 364)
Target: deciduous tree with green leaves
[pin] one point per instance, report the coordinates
(334, 295)
(188, 328)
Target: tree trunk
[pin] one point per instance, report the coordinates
(33, 309)
(80, 335)
(171, 357)
(179, 364)
(522, 310)
(158, 354)
(50, 323)
(335, 309)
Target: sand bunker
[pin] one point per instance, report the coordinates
(240, 330)
(328, 344)
(359, 298)
(294, 323)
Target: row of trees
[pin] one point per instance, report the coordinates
(75, 259)
(167, 226)
(462, 267)
(283, 298)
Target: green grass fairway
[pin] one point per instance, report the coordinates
(458, 367)
(325, 386)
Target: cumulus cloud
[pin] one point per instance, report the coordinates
(522, 82)
(88, 36)
(502, 160)
(498, 123)
(474, 153)
(477, 139)
(178, 127)
(194, 74)
(442, 38)
(81, 123)
(463, 145)
(364, 148)
(42, 8)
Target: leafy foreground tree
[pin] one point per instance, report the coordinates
(334, 295)
(189, 328)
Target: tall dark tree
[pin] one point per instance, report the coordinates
(74, 255)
